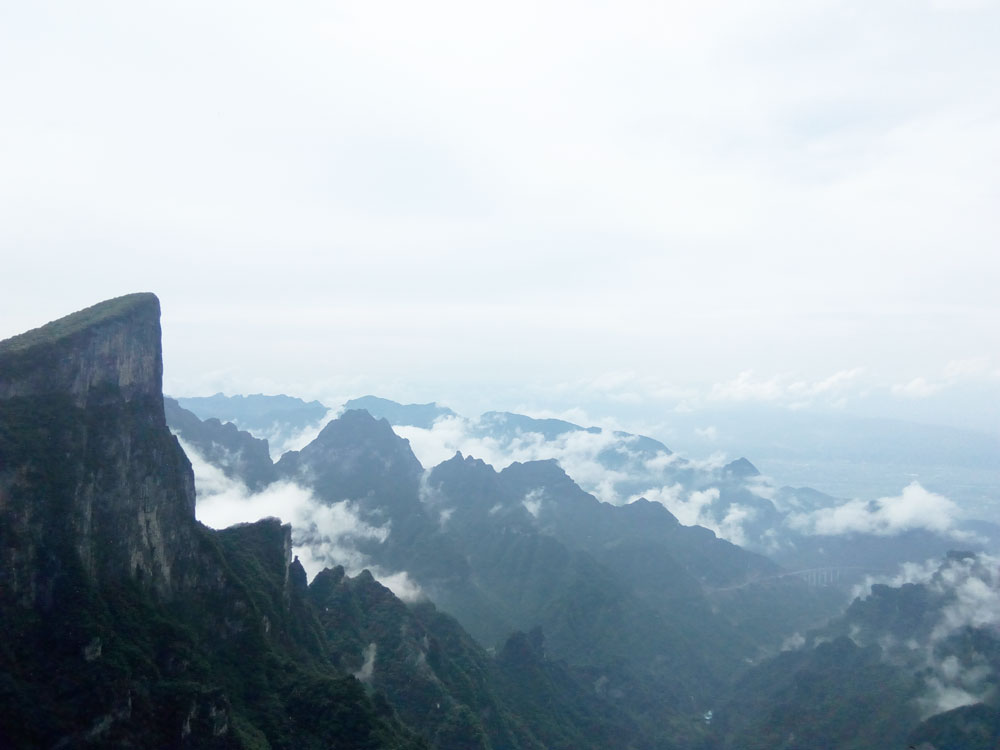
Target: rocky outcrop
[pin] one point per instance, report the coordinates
(126, 622)
(112, 348)
(92, 483)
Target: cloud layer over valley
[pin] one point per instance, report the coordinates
(322, 535)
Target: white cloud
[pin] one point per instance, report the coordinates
(914, 508)
(401, 585)
(696, 510)
(280, 440)
(707, 433)
(532, 502)
(368, 665)
(690, 511)
(967, 368)
(731, 526)
(916, 388)
(968, 590)
(787, 389)
(745, 388)
(661, 461)
(763, 487)
(576, 451)
(713, 462)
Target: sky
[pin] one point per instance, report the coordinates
(615, 207)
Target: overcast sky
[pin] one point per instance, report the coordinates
(680, 203)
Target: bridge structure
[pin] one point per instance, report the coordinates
(824, 576)
(831, 576)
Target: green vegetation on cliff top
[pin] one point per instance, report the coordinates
(80, 321)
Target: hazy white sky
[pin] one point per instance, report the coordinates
(685, 202)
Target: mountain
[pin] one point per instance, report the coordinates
(238, 453)
(256, 412)
(625, 594)
(917, 662)
(83, 437)
(413, 415)
(129, 624)
(793, 526)
(126, 622)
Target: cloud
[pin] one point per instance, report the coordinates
(916, 388)
(322, 535)
(690, 511)
(914, 508)
(401, 585)
(578, 452)
(532, 502)
(731, 526)
(744, 388)
(787, 389)
(280, 439)
(956, 372)
(763, 487)
(713, 462)
(966, 590)
(662, 461)
(967, 368)
(709, 433)
(696, 510)
(368, 665)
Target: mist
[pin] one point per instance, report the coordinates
(323, 535)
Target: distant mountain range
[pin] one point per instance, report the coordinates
(520, 608)
(800, 528)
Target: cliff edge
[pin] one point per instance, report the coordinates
(112, 347)
(92, 483)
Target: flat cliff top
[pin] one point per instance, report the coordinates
(65, 328)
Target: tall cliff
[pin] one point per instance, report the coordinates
(109, 349)
(92, 484)
(126, 622)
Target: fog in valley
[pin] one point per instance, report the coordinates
(535, 375)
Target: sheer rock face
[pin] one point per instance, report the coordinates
(92, 483)
(112, 346)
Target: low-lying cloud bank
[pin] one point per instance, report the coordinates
(576, 451)
(322, 535)
(968, 590)
(914, 508)
(613, 469)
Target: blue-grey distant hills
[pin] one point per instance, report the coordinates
(548, 604)
(799, 527)
(527, 547)
(257, 412)
(412, 415)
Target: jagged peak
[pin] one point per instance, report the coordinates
(461, 462)
(650, 509)
(547, 468)
(741, 468)
(356, 430)
(354, 426)
(357, 420)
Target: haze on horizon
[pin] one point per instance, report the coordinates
(646, 207)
